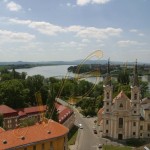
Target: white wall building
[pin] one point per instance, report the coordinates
(123, 117)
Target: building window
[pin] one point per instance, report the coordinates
(43, 146)
(148, 127)
(134, 112)
(107, 95)
(34, 147)
(120, 122)
(134, 105)
(133, 133)
(107, 103)
(141, 127)
(107, 110)
(106, 121)
(135, 96)
(134, 123)
(121, 105)
(141, 134)
(106, 131)
(51, 146)
(148, 135)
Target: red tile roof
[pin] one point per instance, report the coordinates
(64, 115)
(100, 115)
(31, 110)
(1, 130)
(121, 96)
(28, 135)
(63, 111)
(7, 111)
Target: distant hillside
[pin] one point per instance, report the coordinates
(75, 62)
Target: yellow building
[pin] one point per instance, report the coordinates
(43, 136)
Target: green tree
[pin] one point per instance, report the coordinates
(27, 122)
(35, 84)
(12, 93)
(51, 112)
(144, 89)
(123, 77)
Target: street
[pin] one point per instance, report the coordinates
(86, 138)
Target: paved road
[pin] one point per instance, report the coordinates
(86, 140)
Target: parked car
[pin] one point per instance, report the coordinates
(80, 126)
(95, 131)
(100, 145)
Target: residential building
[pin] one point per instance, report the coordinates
(13, 117)
(48, 135)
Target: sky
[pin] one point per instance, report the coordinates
(54, 30)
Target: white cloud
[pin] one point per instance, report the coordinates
(137, 32)
(99, 33)
(7, 36)
(80, 31)
(5, 1)
(100, 1)
(129, 43)
(84, 2)
(46, 28)
(29, 9)
(134, 30)
(12, 6)
(23, 22)
(71, 44)
(42, 27)
(68, 4)
(141, 34)
(85, 40)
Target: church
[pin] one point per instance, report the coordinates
(123, 117)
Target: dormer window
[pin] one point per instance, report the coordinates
(107, 95)
(135, 96)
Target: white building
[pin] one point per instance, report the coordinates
(123, 117)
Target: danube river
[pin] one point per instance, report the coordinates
(60, 71)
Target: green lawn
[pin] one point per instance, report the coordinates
(110, 147)
(72, 135)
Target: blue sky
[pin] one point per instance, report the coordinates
(47, 30)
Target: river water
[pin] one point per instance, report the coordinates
(60, 71)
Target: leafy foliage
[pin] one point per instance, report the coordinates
(27, 122)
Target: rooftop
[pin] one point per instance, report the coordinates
(121, 96)
(32, 134)
(63, 111)
(7, 111)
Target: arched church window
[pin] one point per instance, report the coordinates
(121, 105)
(135, 96)
(107, 95)
(120, 122)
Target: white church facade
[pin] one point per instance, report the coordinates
(122, 117)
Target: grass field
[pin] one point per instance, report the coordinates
(72, 135)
